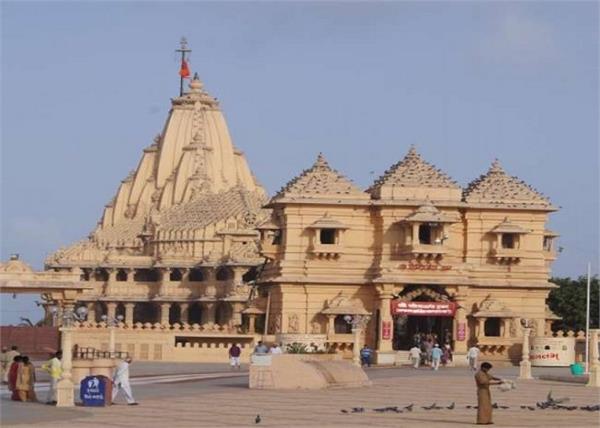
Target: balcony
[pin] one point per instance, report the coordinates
(423, 250)
(327, 251)
(508, 255)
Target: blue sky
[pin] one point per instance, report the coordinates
(86, 85)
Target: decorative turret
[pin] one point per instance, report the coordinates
(319, 182)
(415, 179)
(497, 189)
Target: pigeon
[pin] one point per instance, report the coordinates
(409, 407)
(344, 411)
(504, 407)
(429, 407)
(380, 410)
(358, 409)
(451, 406)
(523, 407)
(591, 408)
(468, 407)
(257, 419)
(495, 406)
(531, 407)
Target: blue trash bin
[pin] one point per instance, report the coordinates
(577, 369)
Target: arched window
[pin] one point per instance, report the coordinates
(492, 327)
(509, 240)
(100, 275)
(146, 312)
(223, 274)
(196, 275)
(341, 326)
(175, 314)
(195, 313)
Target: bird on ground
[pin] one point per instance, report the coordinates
(344, 411)
(468, 406)
(523, 407)
(531, 407)
(257, 419)
(504, 407)
(358, 409)
(409, 407)
(495, 406)
(429, 407)
(591, 408)
(451, 406)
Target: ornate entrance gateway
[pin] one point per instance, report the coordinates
(420, 312)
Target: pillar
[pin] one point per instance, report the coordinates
(208, 312)
(594, 369)
(385, 353)
(64, 389)
(165, 279)
(184, 313)
(415, 234)
(330, 325)
(129, 308)
(236, 313)
(505, 327)
(525, 364)
(130, 273)
(251, 323)
(164, 313)
(111, 311)
(91, 315)
(461, 333)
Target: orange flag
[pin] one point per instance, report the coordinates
(185, 70)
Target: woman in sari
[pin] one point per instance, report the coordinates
(484, 399)
(26, 381)
(12, 376)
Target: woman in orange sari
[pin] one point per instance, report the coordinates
(12, 376)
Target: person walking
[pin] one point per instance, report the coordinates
(121, 382)
(427, 348)
(414, 354)
(234, 356)
(25, 382)
(9, 356)
(483, 380)
(365, 356)
(447, 354)
(436, 357)
(12, 377)
(261, 348)
(472, 357)
(54, 368)
(275, 349)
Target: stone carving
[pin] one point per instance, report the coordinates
(275, 324)
(492, 305)
(293, 323)
(315, 327)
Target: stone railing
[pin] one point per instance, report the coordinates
(184, 327)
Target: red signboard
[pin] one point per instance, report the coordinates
(461, 331)
(386, 330)
(424, 309)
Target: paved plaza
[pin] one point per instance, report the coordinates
(179, 396)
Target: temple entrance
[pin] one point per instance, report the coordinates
(421, 313)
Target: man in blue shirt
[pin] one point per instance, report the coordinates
(365, 356)
(436, 357)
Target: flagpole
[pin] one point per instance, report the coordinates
(587, 319)
(184, 49)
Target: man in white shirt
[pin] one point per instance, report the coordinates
(473, 356)
(54, 369)
(276, 349)
(415, 356)
(121, 381)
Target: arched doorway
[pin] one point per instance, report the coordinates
(195, 313)
(422, 312)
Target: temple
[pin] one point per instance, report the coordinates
(191, 255)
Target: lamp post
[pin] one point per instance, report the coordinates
(358, 323)
(112, 323)
(64, 388)
(525, 364)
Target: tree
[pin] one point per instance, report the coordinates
(568, 302)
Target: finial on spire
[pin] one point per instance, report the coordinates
(184, 71)
(412, 151)
(496, 167)
(321, 162)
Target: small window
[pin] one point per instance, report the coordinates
(547, 347)
(121, 275)
(175, 275)
(492, 327)
(223, 274)
(340, 325)
(425, 234)
(196, 275)
(276, 237)
(327, 236)
(509, 240)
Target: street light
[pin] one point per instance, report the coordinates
(358, 323)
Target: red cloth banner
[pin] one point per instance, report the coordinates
(423, 309)
(185, 70)
(386, 330)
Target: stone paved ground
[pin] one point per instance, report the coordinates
(228, 403)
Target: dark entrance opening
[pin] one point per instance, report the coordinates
(412, 329)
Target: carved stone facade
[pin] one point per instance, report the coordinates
(482, 252)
